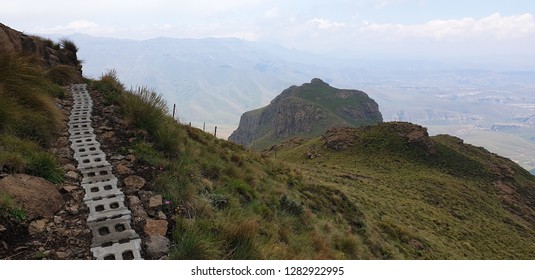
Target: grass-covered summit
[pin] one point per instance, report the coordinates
(306, 111)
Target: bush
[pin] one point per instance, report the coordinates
(26, 107)
(69, 45)
(20, 155)
(64, 75)
(145, 109)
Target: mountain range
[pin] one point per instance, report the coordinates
(215, 80)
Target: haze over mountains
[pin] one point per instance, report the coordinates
(214, 80)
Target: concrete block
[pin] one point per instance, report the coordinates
(119, 251)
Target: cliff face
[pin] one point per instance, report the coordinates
(51, 54)
(306, 111)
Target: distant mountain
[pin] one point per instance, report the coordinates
(307, 110)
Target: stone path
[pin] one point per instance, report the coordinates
(109, 219)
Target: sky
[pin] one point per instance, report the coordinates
(391, 27)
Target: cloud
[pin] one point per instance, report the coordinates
(80, 26)
(324, 24)
(494, 26)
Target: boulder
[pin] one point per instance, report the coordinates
(37, 196)
(155, 227)
(134, 182)
(157, 246)
(155, 202)
(122, 169)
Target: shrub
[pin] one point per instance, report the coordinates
(64, 75)
(44, 165)
(69, 45)
(145, 109)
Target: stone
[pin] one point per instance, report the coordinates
(117, 157)
(104, 127)
(62, 255)
(131, 158)
(161, 215)
(72, 175)
(145, 196)
(109, 135)
(155, 227)
(157, 246)
(58, 220)
(68, 167)
(133, 200)
(38, 226)
(36, 196)
(134, 182)
(2, 228)
(69, 188)
(122, 169)
(155, 202)
(73, 210)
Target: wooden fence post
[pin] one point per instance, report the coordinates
(174, 108)
(215, 131)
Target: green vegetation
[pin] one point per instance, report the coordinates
(421, 197)
(386, 191)
(29, 119)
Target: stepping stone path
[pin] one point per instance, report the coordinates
(109, 219)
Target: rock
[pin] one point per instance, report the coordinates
(145, 196)
(104, 127)
(37, 196)
(131, 158)
(69, 188)
(121, 169)
(73, 210)
(157, 246)
(72, 175)
(134, 182)
(117, 157)
(109, 135)
(155, 202)
(161, 215)
(133, 200)
(58, 220)
(38, 226)
(155, 227)
(2, 228)
(68, 167)
(62, 255)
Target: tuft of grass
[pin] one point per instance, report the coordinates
(68, 45)
(64, 75)
(22, 155)
(27, 108)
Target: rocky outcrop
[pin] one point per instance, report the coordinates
(305, 111)
(50, 53)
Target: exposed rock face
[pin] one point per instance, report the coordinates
(37, 196)
(14, 41)
(307, 110)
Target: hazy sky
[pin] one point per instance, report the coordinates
(394, 27)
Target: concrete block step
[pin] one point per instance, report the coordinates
(119, 251)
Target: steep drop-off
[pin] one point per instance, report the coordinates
(305, 111)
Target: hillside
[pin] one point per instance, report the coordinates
(382, 191)
(420, 196)
(305, 111)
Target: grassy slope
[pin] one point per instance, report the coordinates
(382, 198)
(29, 121)
(419, 206)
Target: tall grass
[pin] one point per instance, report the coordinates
(64, 75)
(27, 109)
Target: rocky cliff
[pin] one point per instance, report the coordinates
(51, 54)
(306, 111)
